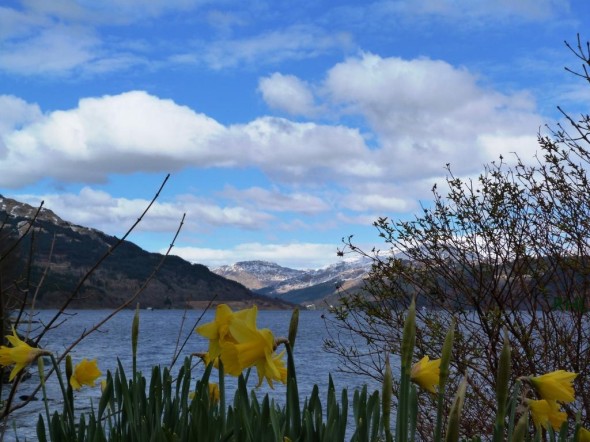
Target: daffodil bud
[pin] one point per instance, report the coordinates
(521, 428)
(135, 332)
(455, 413)
(409, 337)
(69, 367)
(502, 380)
(386, 397)
(445, 358)
(293, 325)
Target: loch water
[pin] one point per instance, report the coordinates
(159, 333)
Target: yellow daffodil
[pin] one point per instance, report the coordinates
(583, 435)
(85, 373)
(255, 348)
(218, 332)
(546, 413)
(555, 386)
(20, 354)
(272, 369)
(426, 373)
(213, 393)
(235, 338)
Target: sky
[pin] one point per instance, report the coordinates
(284, 126)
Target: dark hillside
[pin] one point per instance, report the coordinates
(76, 249)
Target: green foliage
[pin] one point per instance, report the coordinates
(505, 255)
(168, 409)
(130, 410)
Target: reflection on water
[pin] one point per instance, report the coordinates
(158, 337)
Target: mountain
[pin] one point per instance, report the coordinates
(257, 274)
(62, 253)
(299, 286)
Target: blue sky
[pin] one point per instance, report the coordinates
(285, 125)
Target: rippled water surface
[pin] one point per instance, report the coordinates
(159, 333)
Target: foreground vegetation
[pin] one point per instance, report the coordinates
(181, 408)
(506, 255)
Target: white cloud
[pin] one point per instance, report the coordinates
(421, 113)
(106, 11)
(102, 211)
(534, 10)
(17, 24)
(296, 42)
(361, 220)
(293, 255)
(135, 131)
(287, 93)
(375, 202)
(276, 201)
(16, 113)
(54, 50)
(123, 133)
(301, 152)
(62, 37)
(427, 113)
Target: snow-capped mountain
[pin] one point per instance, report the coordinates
(301, 286)
(257, 274)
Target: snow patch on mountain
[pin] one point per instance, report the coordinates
(18, 209)
(274, 280)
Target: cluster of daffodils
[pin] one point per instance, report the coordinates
(552, 389)
(21, 354)
(235, 340)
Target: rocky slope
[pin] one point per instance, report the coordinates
(65, 252)
(258, 274)
(299, 286)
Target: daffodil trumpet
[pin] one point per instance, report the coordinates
(20, 354)
(554, 386)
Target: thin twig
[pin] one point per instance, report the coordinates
(100, 261)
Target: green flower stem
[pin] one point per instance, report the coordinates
(135, 337)
(408, 341)
(292, 407)
(413, 412)
(455, 414)
(445, 362)
(386, 400)
(514, 401)
(68, 405)
(41, 368)
(521, 429)
(293, 325)
(502, 380)
(222, 397)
